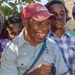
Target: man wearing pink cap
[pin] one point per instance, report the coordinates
(31, 53)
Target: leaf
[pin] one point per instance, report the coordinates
(21, 8)
(38, 0)
(23, 0)
(11, 4)
(13, 9)
(29, 1)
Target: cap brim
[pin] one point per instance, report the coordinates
(43, 16)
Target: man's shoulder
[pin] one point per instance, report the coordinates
(15, 40)
(51, 41)
(18, 40)
(12, 43)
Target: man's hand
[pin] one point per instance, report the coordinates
(43, 69)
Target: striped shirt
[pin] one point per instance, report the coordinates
(67, 46)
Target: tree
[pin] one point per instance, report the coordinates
(14, 8)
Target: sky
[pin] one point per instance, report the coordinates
(43, 2)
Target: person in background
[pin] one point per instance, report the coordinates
(62, 37)
(1, 21)
(68, 17)
(59, 0)
(13, 26)
(3, 35)
(73, 12)
(70, 25)
(22, 51)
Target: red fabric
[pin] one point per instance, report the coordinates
(37, 11)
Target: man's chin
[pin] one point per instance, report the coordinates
(40, 40)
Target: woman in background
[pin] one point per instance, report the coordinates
(62, 37)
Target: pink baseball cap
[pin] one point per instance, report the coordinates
(37, 11)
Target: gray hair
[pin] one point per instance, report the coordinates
(1, 17)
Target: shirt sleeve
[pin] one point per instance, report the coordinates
(8, 62)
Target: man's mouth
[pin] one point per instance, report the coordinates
(40, 35)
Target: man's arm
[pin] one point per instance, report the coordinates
(8, 66)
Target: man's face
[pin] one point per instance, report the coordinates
(37, 31)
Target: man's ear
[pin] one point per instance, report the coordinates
(24, 22)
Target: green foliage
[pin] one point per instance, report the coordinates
(38, 0)
(29, 1)
(10, 8)
(11, 4)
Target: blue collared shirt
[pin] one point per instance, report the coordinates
(19, 55)
(67, 46)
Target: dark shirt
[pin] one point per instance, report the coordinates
(3, 40)
(3, 43)
(3, 35)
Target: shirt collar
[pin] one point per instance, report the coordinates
(21, 38)
(51, 33)
(67, 34)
